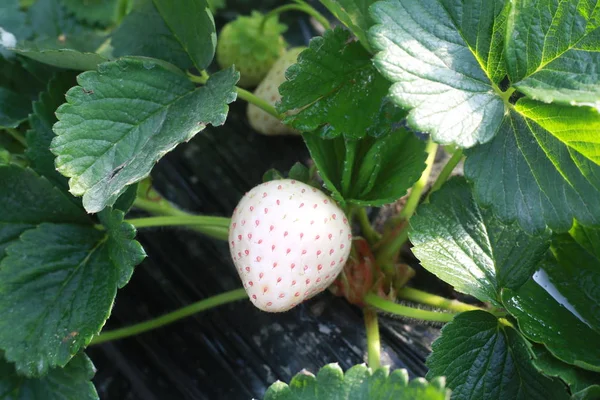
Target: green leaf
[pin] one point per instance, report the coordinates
(334, 85)
(359, 383)
(126, 200)
(544, 320)
(13, 20)
(443, 79)
(103, 12)
(368, 171)
(575, 127)
(193, 26)
(469, 248)
(577, 273)
(59, 274)
(550, 48)
(61, 58)
(577, 378)
(143, 32)
(70, 383)
(527, 174)
(41, 120)
(485, 359)
(355, 15)
(299, 172)
(15, 76)
(14, 108)
(110, 136)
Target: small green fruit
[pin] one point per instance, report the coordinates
(252, 51)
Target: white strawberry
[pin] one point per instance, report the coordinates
(288, 241)
(268, 90)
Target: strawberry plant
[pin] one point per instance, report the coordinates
(93, 94)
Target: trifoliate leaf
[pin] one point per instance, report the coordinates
(59, 273)
(103, 12)
(143, 32)
(14, 108)
(368, 171)
(551, 47)
(527, 174)
(469, 248)
(442, 57)
(193, 26)
(355, 15)
(62, 58)
(110, 135)
(359, 383)
(482, 358)
(578, 379)
(335, 87)
(577, 271)
(542, 319)
(70, 383)
(41, 121)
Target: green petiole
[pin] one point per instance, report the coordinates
(299, 6)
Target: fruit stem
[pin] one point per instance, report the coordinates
(405, 311)
(159, 207)
(15, 134)
(429, 299)
(202, 305)
(373, 340)
(368, 232)
(216, 227)
(446, 171)
(242, 94)
(304, 7)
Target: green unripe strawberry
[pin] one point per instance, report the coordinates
(269, 90)
(252, 51)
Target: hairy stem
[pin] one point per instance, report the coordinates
(368, 232)
(373, 341)
(300, 6)
(216, 227)
(159, 207)
(405, 311)
(202, 305)
(433, 300)
(446, 171)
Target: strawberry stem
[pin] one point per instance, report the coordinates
(429, 299)
(15, 134)
(373, 341)
(405, 311)
(301, 6)
(202, 305)
(367, 229)
(446, 171)
(216, 227)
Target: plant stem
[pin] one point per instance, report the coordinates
(404, 311)
(166, 319)
(305, 8)
(433, 300)
(15, 134)
(446, 171)
(258, 102)
(216, 227)
(368, 232)
(417, 190)
(373, 341)
(198, 79)
(159, 207)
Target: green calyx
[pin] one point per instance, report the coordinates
(252, 49)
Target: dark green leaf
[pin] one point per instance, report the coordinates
(61, 58)
(299, 172)
(110, 135)
(578, 379)
(143, 32)
(469, 248)
(126, 200)
(359, 383)
(550, 48)
(368, 171)
(103, 12)
(527, 174)
(334, 85)
(355, 15)
(13, 21)
(70, 383)
(14, 108)
(544, 320)
(193, 26)
(272, 175)
(445, 81)
(15, 76)
(484, 359)
(577, 273)
(41, 120)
